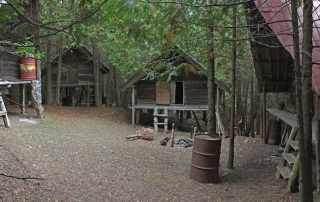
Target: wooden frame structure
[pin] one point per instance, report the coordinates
(192, 89)
(77, 71)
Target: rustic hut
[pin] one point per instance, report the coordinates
(77, 71)
(182, 93)
(272, 50)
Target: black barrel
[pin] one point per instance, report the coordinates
(205, 159)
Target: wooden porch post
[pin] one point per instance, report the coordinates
(23, 98)
(133, 105)
(264, 116)
(88, 95)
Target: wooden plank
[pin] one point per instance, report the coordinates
(163, 93)
(284, 171)
(290, 158)
(287, 117)
(293, 144)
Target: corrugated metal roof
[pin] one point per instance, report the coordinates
(278, 14)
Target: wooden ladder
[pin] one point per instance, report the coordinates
(289, 164)
(156, 123)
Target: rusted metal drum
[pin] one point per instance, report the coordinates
(274, 136)
(205, 159)
(28, 68)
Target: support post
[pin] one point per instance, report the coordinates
(23, 98)
(133, 105)
(264, 116)
(88, 95)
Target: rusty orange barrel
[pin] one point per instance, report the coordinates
(28, 68)
(205, 159)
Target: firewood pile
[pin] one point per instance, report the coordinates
(144, 134)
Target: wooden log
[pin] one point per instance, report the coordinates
(172, 135)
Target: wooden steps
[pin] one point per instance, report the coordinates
(289, 164)
(285, 171)
(290, 158)
(156, 123)
(294, 144)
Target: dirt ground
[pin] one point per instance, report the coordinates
(81, 154)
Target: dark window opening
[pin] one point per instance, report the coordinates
(179, 93)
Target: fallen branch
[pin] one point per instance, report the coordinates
(21, 178)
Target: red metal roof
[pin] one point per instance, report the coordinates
(278, 14)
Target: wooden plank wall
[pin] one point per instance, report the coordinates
(163, 93)
(9, 67)
(195, 93)
(74, 61)
(146, 93)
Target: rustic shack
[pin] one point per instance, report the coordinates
(11, 83)
(182, 93)
(77, 71)
(272, 51)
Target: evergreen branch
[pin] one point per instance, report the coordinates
(54, 29)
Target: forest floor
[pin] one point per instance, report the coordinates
(81, 154)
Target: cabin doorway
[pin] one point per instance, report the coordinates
(178, 93)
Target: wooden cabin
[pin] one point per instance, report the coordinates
(182, 93)
(77, 71)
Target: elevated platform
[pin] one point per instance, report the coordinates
(291, 119)
(173, 107)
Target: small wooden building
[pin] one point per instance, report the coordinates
(77, 71)
(10, 79)
(182, 93)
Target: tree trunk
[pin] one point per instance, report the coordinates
(60, 50)
(305, 139)
(96, 64)
(252, 109)
(234, 57)
(238, 93)
(109, 94)
(245, 106)
(48, 70)
(258, 115)
(211, 84)
(115, 79)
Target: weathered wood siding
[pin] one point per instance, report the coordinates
(9, 66)
(146, 92)
(195, 92)
(76, 69)
(163, 93)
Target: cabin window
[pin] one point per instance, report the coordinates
(179, 93)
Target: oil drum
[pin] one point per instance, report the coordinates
(205, 159)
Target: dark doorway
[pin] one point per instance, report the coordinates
(179, 93)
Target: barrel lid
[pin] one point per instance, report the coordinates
(207, 137)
